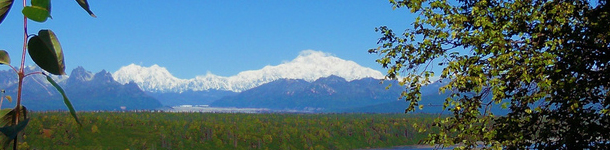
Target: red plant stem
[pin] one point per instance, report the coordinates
(25, 39)
(13, 68)
(21, 72)
(31, 73)
(21, 68)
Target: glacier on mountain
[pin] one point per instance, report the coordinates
(309, 65)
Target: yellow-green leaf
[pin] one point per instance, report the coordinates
(36, 13)
(5, 111)
(4, 58)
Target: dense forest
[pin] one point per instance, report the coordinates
(154, 130)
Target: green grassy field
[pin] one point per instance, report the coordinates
(148, 130)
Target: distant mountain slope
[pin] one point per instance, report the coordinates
(326, 93)
(308, 66)
(433, 103)
(190, 97)
(102, 92)
(86, 91)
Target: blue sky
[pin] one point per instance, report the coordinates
(194, 37)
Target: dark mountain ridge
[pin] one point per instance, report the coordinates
(86, 91)
(327, 93)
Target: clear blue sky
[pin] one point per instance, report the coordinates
(192, 37)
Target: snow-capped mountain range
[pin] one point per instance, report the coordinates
(309, 66)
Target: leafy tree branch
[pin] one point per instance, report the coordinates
(546, 61)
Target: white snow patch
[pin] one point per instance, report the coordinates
(309, 65)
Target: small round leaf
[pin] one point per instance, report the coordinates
(36, 13)
(4, 58)
(46, 52)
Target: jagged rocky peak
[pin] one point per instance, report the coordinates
(103, 76)
(79, 74)
(132, 84)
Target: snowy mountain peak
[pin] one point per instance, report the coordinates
(309, 65)
(153, 78)
(79, 75)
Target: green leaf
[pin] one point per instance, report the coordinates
(5, 6)
(11, 131)
(66, 100)
(46, 4)
(46, 52)
(10, 117)
(4, 112)
(85, 5)
(4, 58)
(36, 13)
(42, 3)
